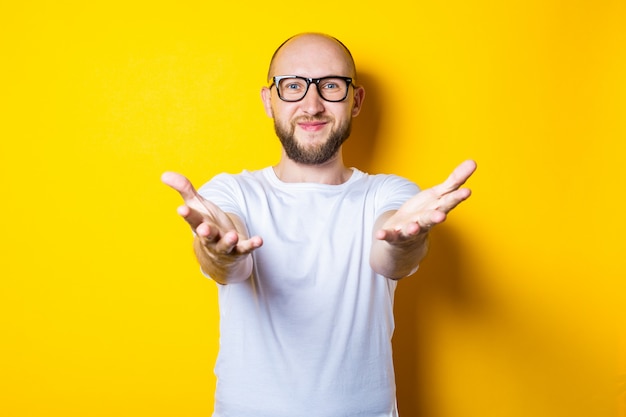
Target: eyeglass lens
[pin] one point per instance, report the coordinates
(295, 88)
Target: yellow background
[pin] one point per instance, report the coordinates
(517, 311)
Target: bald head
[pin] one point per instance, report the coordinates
(300, 51)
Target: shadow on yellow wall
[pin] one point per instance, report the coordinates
(360, 149)
(444, 282)
(443, 279)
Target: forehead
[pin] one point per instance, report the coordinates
(312, 56)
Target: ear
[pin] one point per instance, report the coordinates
(359, 96)
(266, 97)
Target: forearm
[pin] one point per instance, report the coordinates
(398, 260)
(224, 269)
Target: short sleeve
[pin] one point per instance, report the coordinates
(224, 191)
(393, 192)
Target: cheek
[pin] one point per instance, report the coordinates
(344, 116)
(283, 122)
(284, 113)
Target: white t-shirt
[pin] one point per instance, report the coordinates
(309, 334)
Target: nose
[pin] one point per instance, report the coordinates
(312, 103)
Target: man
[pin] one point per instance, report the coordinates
(307, 253)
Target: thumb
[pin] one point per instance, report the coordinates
(179, 183)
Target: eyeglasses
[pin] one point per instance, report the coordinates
(293, 88)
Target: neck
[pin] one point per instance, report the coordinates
(331, 172)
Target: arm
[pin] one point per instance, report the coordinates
(221, 243)
(400, 238)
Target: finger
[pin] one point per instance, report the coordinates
(400, 233)
(430, 218)
(181, 184)
(227, 242)
(386, 235)
(457, 178)
(194, 218)
(207, 231)
(248, 245)
(453, 199)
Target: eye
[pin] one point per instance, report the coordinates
(292, 85)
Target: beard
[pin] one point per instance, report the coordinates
(313, 155)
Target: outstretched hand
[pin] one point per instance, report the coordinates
(219, 233)
(430, 207)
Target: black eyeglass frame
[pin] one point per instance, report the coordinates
(276, 79)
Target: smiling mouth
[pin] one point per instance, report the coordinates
(312, 125)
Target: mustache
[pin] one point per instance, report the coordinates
(308, 119)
